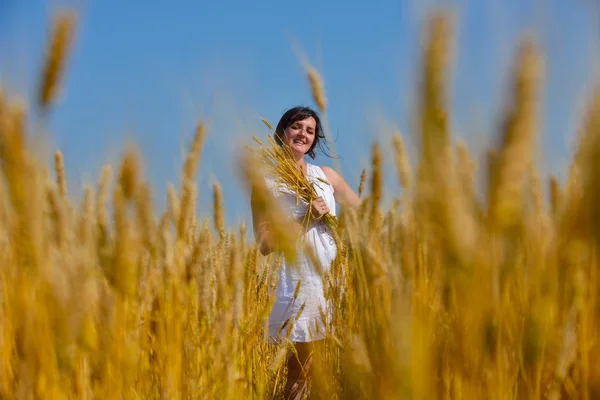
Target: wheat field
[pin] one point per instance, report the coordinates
(445, 294)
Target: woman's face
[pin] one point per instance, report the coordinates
(300, 135)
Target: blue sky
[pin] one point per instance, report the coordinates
(145, 72)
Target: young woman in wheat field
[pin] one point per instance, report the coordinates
(299, 292)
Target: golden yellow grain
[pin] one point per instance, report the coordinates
(435, 182)
(518, 137)
(402, 164)
(129, 173)
(465, 170)
(173, 202)
(279, 359)
(299, 313)
(13, 153)
(297, 289)
(60, 173)
(61, 39)
(218, 210)
(445, 301)
(317, 88)
(193, 218)
(193, 156)
(185, 208)
(124, 274)
(266, 204)
(432, 122)
(103, 190)
(376, 180)
(144, 215)
(58, 216)
(537, 196)
(363, 179)
(243, 230)
(20, 179)
(555, 196)
(87, 215)
(267, 124)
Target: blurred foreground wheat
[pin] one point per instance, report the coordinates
(443, 295)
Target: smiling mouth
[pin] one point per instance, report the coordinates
(299, 142)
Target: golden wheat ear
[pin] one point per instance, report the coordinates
(252, 171)
(519, 133)
(317, 88)
(218, 210)
(402, 163)
(194, 153)
(59, 46)
(267, 124)
(361, 184)
(60, 173)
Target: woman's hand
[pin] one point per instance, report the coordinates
(318, 208)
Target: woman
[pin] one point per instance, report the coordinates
(300, 129)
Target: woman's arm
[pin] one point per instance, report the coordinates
(343, 193)
(262, 229)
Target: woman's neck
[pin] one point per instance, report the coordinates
(301, 163)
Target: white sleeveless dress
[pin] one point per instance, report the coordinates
(310, 324)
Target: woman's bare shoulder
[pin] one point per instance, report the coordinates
(330, 173)
(340, 186)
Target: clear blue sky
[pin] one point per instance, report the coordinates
(145, 71)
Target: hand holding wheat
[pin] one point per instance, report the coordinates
(318, 208)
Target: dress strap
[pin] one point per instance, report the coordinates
(314, 171)
(317, 172)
